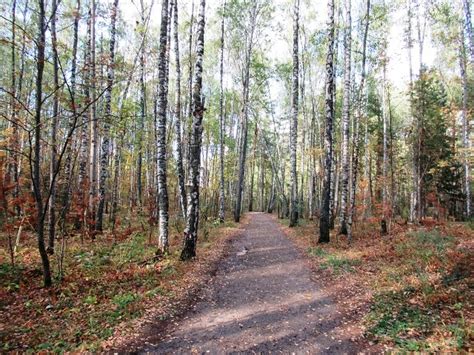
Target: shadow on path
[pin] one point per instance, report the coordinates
(262, 299)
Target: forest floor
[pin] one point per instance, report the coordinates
(411, 290)
(110, 284)
(263, 298)
(256, 287)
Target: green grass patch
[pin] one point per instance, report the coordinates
(425, 245)
(317, 251)
(393, 317)
(339, 264)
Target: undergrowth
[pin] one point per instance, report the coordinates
(106, 282)
(420, 280)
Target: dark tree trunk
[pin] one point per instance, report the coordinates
(36, 159)
(54, 128)
(324, 222)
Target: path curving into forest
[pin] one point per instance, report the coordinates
(262, 299)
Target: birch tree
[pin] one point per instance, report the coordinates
(221, 123)
(324, 221)
(294, 119)
(163, 242)
(346, 118)
(192, 222)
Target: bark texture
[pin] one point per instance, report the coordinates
(36, 158)
(162, 103)
(346, 106)
(294, 120)
(192, 222)
(324, 221)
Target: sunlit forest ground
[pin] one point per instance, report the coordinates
(410, 290)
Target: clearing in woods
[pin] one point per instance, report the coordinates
(262, 299)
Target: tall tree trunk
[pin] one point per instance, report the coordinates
(414, 193)
(346, 118)
(465, 127)
(334, 190)
(221, 123)
(68, 165)
(141, 121)
(54, 128)
(179, 148)
(252, 171)
(161, 130)
(104, 156)
(15, 138)
(244, 115)
(324, 222)
(187, 131)
(192, 222)
(294, 119)
(385, 206)
(93, 119)
(36, 163)
(361, 111)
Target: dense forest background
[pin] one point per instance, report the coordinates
(171, 117)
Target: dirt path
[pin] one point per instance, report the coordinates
(262, 299)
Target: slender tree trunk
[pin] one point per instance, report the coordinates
(36, 163)
(334, 190)
(104, 156)
(93, 120)
(252, 171)
(161, 130)
(244, 116)
(465, 127)
(346, 119)
(414, 192)
(294, 119)
(190, 92)
(324, 222)
(192, 222)
(221, 124)
(141, 121)
(68, 166)
(54, 128)
(361, 111)
(15, 137)
(179, 148)
(384, 229)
